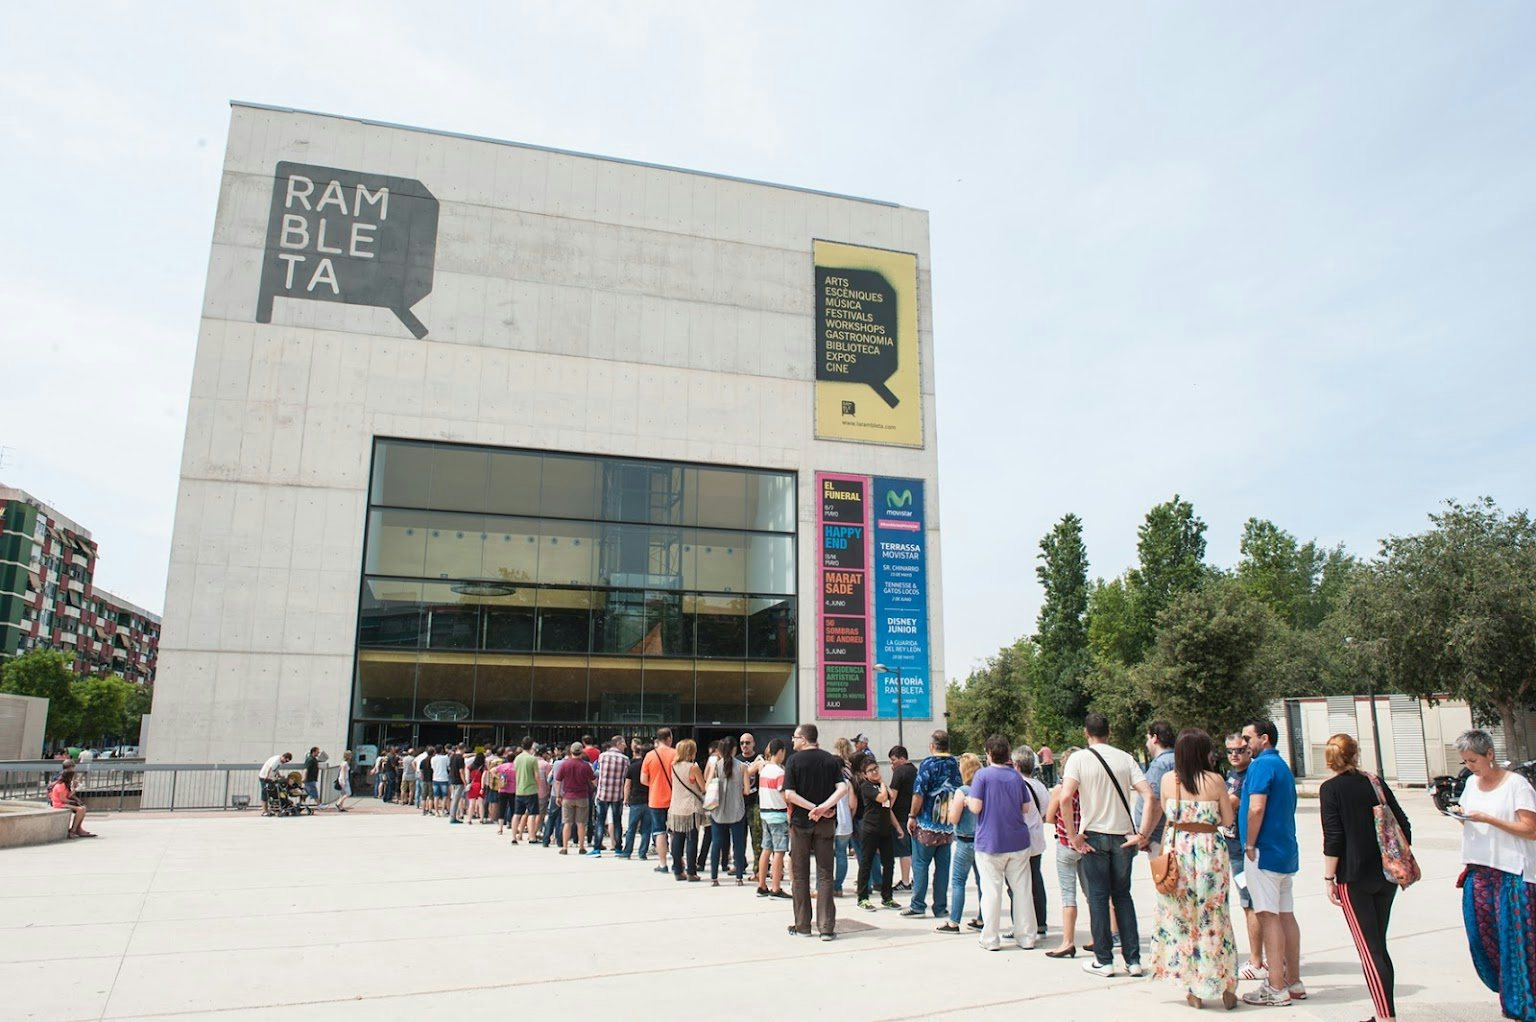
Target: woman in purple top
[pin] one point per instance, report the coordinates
(1000, 798)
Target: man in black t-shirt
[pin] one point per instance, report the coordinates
(312, 774)
(456, 782)
(751, 762)
(903, 776)
(637, 797)
(813, 785)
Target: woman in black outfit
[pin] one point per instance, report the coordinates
(1352, 865)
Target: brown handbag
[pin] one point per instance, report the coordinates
(1165, 867)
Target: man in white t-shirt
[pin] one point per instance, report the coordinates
(424, 780)
(1103, 776)
(267, 776)
(440, 781)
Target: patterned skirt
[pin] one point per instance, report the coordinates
(1499, 910)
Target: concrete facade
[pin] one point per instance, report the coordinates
(22, 723)
(578, 304)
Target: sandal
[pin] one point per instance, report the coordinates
(1193, 1001)
(1229, 999)
(947, 928)
(975, 924)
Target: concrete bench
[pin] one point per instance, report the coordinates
(31, 823)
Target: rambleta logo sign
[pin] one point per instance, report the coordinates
(343, 236)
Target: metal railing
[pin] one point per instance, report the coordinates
(125, 785)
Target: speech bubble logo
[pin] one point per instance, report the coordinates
(344, 236)
(856, 329)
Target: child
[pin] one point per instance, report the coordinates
(878, 831)
(770, 793)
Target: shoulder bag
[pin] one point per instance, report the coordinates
(1397, 862)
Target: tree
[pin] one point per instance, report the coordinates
(138, 707)
(1170, 549)
(1202, 671)
(45, 673)
(1452, 612)
(1300, 582)
(103, 704)
(1061, 631)
(1114, 690)
(993, 699)
(1113, 625)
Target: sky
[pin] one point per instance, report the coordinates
(1276, 259)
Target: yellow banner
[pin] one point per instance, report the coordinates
(868, 385)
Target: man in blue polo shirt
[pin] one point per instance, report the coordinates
(1266, 822)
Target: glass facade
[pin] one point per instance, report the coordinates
(509, 589)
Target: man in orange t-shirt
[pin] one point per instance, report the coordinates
(656, 773)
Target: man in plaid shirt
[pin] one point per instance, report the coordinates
(612, 765)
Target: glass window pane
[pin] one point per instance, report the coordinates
(667, 631)
(386, 684)
(770, 563)
(565, 620)
(770, 502)
(720, 625)
(512, 486)
(771, 693)
(722, 692)
(567, 553)
(511, 552)
(453, 627)
(641, 491)
(721, 562)
(618, 621)
(771, 629)
(560, 688)
(402, 473)
(455, 545)
(445, 686)
(642, 556)
(509, 621)
(669, 691)
(397, 543)
(616, 692)
(568, 488)
(390, 614)
(458, 477)
(715, 497)
(503, 688)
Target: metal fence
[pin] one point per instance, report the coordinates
(125, 785)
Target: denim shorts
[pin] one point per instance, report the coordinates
(658, 820)
(904, 846)
(439, 789)
(526, 805)
(1069, 873)
(775, 836)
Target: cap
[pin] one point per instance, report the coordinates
(861, 737)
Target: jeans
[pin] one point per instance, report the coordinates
(639, 822)
(685, 849)
(724, 837)
(961, 861)
(1106, 881)
(604, 810)
(1037, 880)
(551, 822)
(840, 856)
(1007, 871)
(922, 857)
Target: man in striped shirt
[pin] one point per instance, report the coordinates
(612, 765)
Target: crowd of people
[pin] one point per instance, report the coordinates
(925, 830)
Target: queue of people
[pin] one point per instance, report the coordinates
(933, 828)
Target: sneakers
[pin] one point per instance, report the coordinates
(1297, 991)
(890, 903)
(909, 912)
(1133, 969)
(1267, 996)
(867, 905)
(905, 885)
(596, 853)
(780, 894)
(1252, 971)
(762, 892)
(1093, 968)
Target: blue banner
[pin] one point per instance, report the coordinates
(901, 597)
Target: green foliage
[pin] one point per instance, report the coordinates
(1055, 686)
(993, 698)
(138, 707)
(1203, 670)
(1301, 583)
(45, 673)
(1113, 623)
(1115, 691)
(103, 707)
(1452, 611)
(1170, 548)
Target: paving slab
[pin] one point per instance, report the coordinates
(235, 917)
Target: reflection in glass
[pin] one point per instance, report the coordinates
(720, 625)
(770, 564)
(503, 687)
(619, 623)
(669, 690)
(397, 544)
(402, 473)
(511, 549)
(771, 693)
(722, 691)
(458, 477)
(771, 628)
(615, 684)
(510, 622)
(722, 561)
(447, 679)
(390, 614)
(715, 497)
(512, 487)
(641, 555)
(569, 488)
(770, 502)
(455, 545)
(567, 552)
(668, 632)
(559, 688)
(386, 683)
(565, 617)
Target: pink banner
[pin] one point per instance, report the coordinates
(843, 664)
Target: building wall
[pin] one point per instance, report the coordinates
(578, 304)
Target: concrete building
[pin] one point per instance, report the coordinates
(488, 439)
(49, 598)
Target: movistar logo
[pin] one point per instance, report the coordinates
(894, 499)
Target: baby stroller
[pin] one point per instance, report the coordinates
(285, 796)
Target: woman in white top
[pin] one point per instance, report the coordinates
(344, 782)
(1498, 846)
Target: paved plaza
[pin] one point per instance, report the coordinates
(383, 914)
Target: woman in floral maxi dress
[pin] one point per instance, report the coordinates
(1192, 941)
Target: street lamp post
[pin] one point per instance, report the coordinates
(901, 738)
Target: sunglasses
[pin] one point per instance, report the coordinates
(1237, 752)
